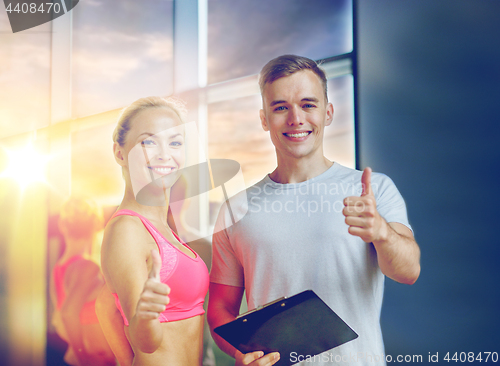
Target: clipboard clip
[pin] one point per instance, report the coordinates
(261, 307)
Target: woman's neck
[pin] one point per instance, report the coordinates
(153, 213)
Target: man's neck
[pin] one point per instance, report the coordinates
(299, 170)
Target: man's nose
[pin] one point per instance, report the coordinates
(295, 116)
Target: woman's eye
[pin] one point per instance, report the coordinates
(148, 142)
(176, 143)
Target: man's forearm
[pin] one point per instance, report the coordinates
(218, 317)
(398, 255)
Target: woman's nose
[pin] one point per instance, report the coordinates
(164, 153)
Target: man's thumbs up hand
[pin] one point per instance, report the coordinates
(366, 182)
(361, 213)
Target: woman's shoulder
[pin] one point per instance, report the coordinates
(124, 236)
(125, 244)
(124, 228)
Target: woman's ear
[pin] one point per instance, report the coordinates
(119, 154)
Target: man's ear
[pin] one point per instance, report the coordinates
(263, 120)
(119, 154)
(329, 114)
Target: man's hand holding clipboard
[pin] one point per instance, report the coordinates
(302, 325)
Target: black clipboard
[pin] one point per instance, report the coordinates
(300, 325)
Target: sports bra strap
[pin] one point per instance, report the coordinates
(147, 224)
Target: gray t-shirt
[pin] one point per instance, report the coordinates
(294, 238)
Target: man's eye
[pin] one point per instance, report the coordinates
(280, 108)
(309, 106)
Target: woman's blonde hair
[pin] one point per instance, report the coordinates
(123, 125)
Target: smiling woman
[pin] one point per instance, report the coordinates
(158, 282)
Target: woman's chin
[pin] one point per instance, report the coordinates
(153, 194)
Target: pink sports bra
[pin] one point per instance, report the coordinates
(187, 277)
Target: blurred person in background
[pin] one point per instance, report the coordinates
(75, 284)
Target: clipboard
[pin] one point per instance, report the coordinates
(298, 325)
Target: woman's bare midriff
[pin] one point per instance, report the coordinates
(182, 345)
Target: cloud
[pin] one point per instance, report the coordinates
(108, 56)
(103, 68)
(111, 69)
(245, 35)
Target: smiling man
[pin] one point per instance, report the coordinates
(311, 224)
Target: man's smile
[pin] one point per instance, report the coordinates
(297, 135)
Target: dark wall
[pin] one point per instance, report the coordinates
(429, 102)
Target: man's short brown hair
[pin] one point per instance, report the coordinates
(287, 65)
